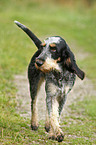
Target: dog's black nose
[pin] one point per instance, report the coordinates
(39, 62)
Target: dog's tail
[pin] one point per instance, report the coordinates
(29, 33)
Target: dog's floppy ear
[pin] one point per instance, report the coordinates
(71, 65)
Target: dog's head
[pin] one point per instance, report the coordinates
(55, 53)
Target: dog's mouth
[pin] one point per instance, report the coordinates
(41, 68)
(41, 65)
(48, 65)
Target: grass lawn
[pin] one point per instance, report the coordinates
(78, 28)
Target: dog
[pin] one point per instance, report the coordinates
(55, 63)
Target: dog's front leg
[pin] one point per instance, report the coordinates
(53, 111)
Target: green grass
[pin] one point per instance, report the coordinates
(78, 27)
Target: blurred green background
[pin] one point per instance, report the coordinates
(75, 21)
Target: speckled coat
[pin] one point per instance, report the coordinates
(55, 63)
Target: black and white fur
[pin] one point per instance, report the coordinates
(53, 62)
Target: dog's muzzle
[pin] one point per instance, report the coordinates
(39, 62)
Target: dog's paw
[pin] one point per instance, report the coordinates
(47, 128)
(34, 127)
(53, 137)
(60, 137)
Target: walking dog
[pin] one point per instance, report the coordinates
(55, 63)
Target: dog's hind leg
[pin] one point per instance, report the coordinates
(34, 77)
(34, 88)
(34, 115)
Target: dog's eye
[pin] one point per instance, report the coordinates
(53, 49)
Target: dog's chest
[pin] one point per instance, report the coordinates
(60, 83)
